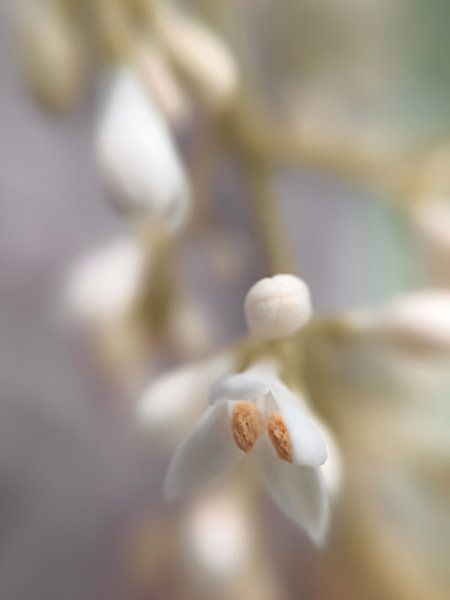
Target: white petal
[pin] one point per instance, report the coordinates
(248, 385)
(332, 470)
(308, 443)
(298, 490)
(237, 387)
(137, 155)
(173, 401)
(204, 454)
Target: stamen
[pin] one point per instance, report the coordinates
(246, 425)
(279, 436)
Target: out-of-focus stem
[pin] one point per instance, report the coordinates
(159, 290)
(202, 165)
(276, 246)
(275, 144)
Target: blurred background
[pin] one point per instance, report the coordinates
(81, 508)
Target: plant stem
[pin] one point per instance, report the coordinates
(276, 245)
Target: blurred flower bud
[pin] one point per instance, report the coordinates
(431, 228)
(217, 540)
(103, 286)
(412, 325)
(52, 54)
(421, 319)
(158, 76)
(137, 155)
(277, 306)
(200, 55)
(190, 329)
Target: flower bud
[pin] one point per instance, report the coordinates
(200, 55)
(277, 306)
(157, 74)
(102, 287)
(420, 319)
(137, 156)
(430, 221)
(52, 54)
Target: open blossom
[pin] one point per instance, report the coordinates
(253, 413)
(173, 401)
(230, 416)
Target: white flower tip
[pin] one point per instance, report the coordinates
(319, 536)
(277, 306)
(332, 469)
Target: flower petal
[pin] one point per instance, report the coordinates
(308, 443)
(298, 490)
(175, 400)
(204, 454)
(248, 385)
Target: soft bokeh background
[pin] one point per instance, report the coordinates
(75, 487)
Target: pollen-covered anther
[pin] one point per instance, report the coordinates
(246, 425)
(279, 436)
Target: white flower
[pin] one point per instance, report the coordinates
(137, 155)
(277, 306)
(254, 413)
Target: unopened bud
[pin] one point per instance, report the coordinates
(138, 157)
(52, 54)
(200, 55)
(277, 306)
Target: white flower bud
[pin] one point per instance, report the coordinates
(277, 306)
(137, 156)
(102, 286)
